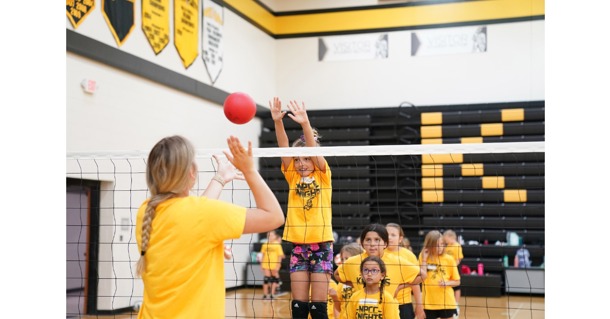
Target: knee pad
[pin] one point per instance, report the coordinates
(267, 279)
(276, 280)
(300, 309)
(318, 310)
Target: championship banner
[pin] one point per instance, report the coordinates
(77, 10)
(186, 24)
(155, 23)
(120, 16)
(449, 41)
(212, 48)
(353, 47)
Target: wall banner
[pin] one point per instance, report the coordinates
(353, 47)
(77, 10)
(186, 30)
(211, 43)
(120, 16)
(155, 23)
(457, 40)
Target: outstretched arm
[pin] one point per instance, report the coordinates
(280, 132)
(268, 214)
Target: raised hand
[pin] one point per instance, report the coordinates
(276, 109)
(299, 114)
(227, 171)
(239, 156)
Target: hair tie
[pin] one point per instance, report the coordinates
(143, 253)
(302, 138)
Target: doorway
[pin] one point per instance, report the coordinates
(82, 211)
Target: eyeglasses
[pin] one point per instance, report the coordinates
(370, 271)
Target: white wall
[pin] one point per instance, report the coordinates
(511, 70)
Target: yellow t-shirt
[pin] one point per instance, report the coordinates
(435, 296)
(361, 305)
(184, 275)
(344, 292)
(404, 295)
(272, 256)
(309, 216)
(398, 271)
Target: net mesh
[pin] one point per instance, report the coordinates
(490, 194)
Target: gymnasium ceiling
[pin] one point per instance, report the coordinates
(304, 18)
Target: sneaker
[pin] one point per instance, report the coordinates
(271, 297)
(264, 296)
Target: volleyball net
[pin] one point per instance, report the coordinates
(490, 194)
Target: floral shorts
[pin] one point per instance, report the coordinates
(314, 258)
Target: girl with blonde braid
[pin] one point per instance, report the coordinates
(181, 237)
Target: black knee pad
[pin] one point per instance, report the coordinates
(318, 310)
(267, 279)
(300, 309)
(276, 280)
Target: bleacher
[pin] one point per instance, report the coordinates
(482, 197)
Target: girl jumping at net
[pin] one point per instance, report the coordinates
(372, 301)
(180, 236)
(309, 215)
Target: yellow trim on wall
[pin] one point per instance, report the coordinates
(387, 18)
(256, 13)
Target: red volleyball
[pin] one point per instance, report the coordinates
(239, 108)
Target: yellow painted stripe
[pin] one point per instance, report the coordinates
(432, 183)
(494, 129)
(492, 181)
(432, 118)
(513, 115)
(431, 131)
(383, 18)
(432, 170)
(255, 12)
(472, 169)
(515, 195)
(432, 141)
(471, 140)
(442, 158)
(433, 196)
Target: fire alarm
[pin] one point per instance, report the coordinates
(89, 86)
